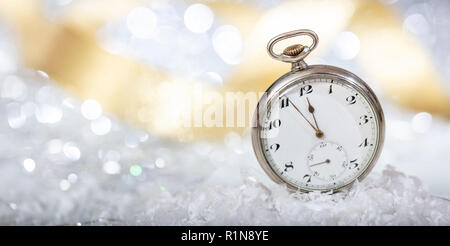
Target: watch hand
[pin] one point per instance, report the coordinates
(319, 163)
(298, 110)
(319, 132)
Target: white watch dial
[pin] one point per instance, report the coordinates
(321, 133)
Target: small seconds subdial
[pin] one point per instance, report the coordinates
(327, 161)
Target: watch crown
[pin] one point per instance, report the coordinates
(293, 50)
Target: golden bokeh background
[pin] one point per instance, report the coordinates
(67, 49)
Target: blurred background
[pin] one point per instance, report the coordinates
(92, 90)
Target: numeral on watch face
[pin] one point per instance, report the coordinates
(284, 102)
(351, 99)
(274, 147)
(353, 164)
(307, 89)
(273, 124)
(288, 166)
(307, 177)
(364, 119)
(364, 143)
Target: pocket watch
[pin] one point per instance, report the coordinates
(318, 127)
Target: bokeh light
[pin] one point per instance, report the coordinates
(101, 126)
(421, 122)
(111, 167)
(91, 109)
(48, 114)
(29, 165)
(198, 18)
(64, 185)
(347, 46)
(135, 170)
(142, 22)
(228, 44)
(71, 151)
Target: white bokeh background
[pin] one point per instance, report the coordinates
(67, 162)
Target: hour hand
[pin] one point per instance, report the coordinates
(311, 109)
